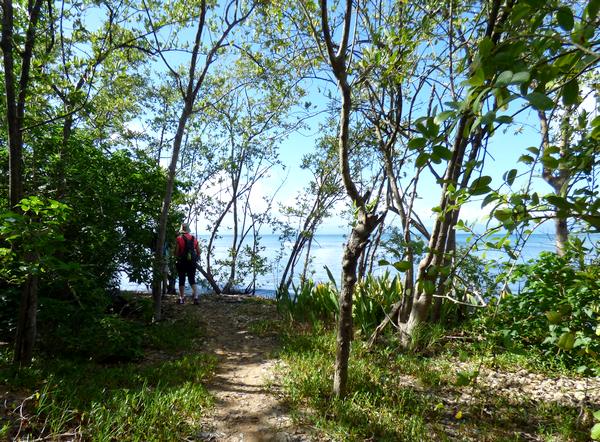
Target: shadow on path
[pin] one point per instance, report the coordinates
(246, 392)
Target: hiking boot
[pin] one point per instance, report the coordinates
(180, 301)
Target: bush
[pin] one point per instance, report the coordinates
(558, 309)
(68, 330)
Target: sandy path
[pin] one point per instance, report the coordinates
(247, 406)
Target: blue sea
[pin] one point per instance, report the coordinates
(327, 252)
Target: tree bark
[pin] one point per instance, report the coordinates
(15, 114)
(27, 320)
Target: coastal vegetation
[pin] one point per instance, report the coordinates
(121, 120)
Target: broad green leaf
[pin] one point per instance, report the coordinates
(488, 199)
(442, 152)
(526, 159)
(597, 415)
(549, 162)
(417, 143)
(558, 202)
(520, 77)
(503, 214)
(592, 9)
(504, 78)
(402, 266)
(534, 150)
(443, 116)
(570, 93)
(566, 341)
(595, 432)
(539, 101)
(383, 262)
(485, 47)
(510, 176)
(478, 78)
(564, 17)
(481, 181)
(504, 119)
(554, 317)
(422, 160)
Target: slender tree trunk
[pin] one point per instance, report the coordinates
(15, 114)
(14, 123)
(430, 264)
(355, 246)
(307, 257)
(557, 179)
(27, 320)
(162, 224)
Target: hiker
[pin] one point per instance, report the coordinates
(186, 252)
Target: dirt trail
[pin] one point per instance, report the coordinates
(247, 407)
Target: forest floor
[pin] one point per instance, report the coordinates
(248, 404)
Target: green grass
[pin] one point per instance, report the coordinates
(399, 396)
(161, 398)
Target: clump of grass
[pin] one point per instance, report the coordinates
(407, 396)
(265, 327)
(160, 399)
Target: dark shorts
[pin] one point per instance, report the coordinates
(186, 269)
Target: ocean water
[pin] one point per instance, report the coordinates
(327, 252)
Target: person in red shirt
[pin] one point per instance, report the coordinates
(187, 252)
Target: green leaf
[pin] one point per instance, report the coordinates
(564, 17)
(558, 202)
(504, 78)
(383, 262)
(526, 159)
(417, 143)
(533, 150)
(422, 160)
(549, 162)
(485, 47)
(510, 176)
(570, 93)
(478, 78)
(481, 182)
(488, 199)
(443, 116)
(554, 317)
(502, 214)
(566, 341)
(442, 152)
(597, 415)
(539, 101)
(504, 119)
(402, 266)
(520, 77)
(592, 9)
(595, 432)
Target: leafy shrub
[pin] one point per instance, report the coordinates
(67, 329)
(558, 309)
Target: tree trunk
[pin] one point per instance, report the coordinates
(562, 235)
(27, 321)
(15, 113)
(14, 121)
(162, 224)
(352, 252)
